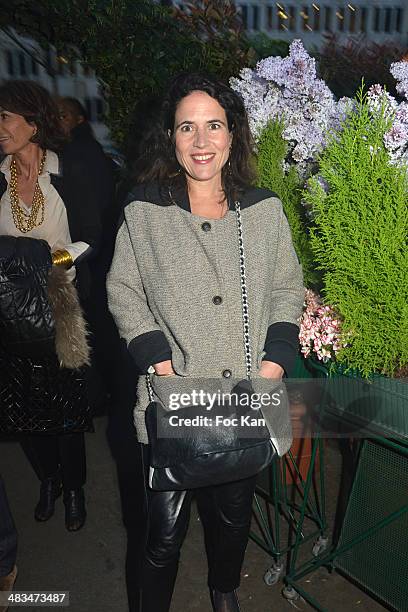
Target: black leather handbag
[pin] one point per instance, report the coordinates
(209, 455)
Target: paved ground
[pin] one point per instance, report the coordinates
(90, 564)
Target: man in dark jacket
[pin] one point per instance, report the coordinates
(81, 140)
(101, 173)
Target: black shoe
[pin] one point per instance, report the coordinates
(224, 602)
(75, 513)
(50, 490)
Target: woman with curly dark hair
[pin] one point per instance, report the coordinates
(198, 309)
(49, 227)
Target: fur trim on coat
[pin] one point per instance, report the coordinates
(71, 342)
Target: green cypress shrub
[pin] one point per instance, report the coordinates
(272, 151)
(359, 241)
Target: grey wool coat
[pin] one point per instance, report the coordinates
(174, 290)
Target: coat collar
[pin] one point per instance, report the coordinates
(178, 195)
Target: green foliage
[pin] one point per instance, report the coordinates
(272, 151)
(359, 240)
(135, 46)
(343, 63)
(265, 46)
(218, 26)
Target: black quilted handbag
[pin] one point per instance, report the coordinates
(40, 397)
(208, 455)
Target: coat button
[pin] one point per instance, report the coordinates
(206, 227)
(227, 373)
(217, 300)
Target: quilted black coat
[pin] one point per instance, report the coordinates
(36, 394)
(26, 320)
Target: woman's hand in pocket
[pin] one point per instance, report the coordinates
(164, 368)
(270, 369)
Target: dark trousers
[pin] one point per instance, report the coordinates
(63, 453)
(225, 512)
(8, 535)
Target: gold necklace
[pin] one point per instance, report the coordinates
(24, 221)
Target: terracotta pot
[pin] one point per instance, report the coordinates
(301, 448)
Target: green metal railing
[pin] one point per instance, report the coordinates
(384, 486)
(290, 515)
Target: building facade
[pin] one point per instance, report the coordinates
(23, 58)
(378, 21)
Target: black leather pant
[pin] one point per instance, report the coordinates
(225, 512)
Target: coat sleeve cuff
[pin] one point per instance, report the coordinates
(282, 345)
(149, 348)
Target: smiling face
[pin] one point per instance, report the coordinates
(202, 138)
(15, 132)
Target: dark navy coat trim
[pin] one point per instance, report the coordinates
(159, 195)
(149, 348)
(282, 345)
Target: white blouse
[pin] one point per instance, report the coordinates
(54, 229)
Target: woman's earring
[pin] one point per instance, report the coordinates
(34, 133)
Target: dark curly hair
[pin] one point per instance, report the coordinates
(35, 104)
(158, 162)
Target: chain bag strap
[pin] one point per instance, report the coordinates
(244, 292)
(149, 388)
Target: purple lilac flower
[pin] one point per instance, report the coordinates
(399, 71)
(288, 88)
(260, 100)
(291, 71)
(378, 99)
(401, 114)
(396, 139)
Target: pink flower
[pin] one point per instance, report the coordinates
(319, 329)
